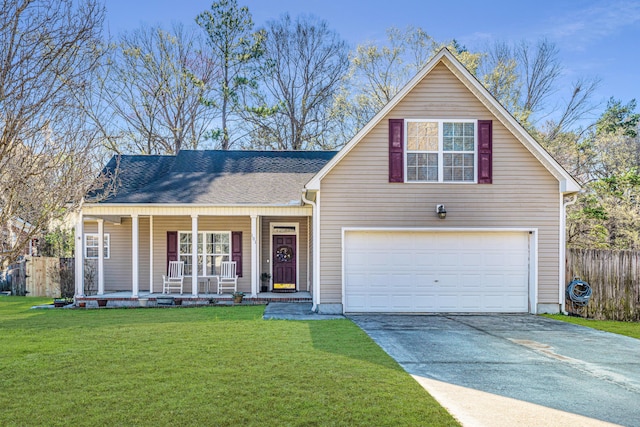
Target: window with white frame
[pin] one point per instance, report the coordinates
(91, 246)
(440, 151)
(213, 249)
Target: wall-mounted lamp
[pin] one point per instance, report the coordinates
(441, 211)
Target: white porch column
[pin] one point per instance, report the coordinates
(100, 256)
(79, 248)
(194, 254)
(135, 256)
(255, 271)
(151, 254)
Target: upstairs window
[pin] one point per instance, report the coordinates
(440, 151)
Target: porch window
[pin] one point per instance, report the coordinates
(213, 249)
(91, 246)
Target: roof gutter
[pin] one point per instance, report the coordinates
(191, 205)
(316, 248)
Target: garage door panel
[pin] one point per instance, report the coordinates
(471, 259)
(447, 302)
(378, 281)
(448, 280)
(470, 303)
(436, 272)
(359, 305)
(494, 260)
(402, 301)
(359, 282)
(423, 281)
(379, 301)
(449, 259)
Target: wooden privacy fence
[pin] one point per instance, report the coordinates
(43, 277)
(614, 277)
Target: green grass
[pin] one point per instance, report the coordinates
(221, 366)
(630, 329)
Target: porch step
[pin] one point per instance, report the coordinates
(299, 311)
(124, 299)
(289, 299)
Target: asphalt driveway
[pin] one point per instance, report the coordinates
(515, 368)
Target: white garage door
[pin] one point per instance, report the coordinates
(427, 271)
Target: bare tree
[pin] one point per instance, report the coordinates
(151, 90)
(47, 53)
(229, 29)
(523, 77)
(541, 69)
(304, 63)
(379, 71)
(501, 77)
(576, 108)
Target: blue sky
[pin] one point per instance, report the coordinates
(596, 38)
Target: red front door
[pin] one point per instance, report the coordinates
(284, 263)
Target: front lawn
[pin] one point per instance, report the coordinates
(221, 366)
(630, 329)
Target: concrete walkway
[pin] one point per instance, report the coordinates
(295, 311)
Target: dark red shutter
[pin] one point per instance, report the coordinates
(236, 250)
(485, 152)
(172, 246)
(396, 150)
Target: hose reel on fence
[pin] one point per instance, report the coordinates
(579, 292)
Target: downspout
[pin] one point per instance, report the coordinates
(563, 252)
(308, 253)
(316, 238)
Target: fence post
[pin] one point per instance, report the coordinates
(17, 276)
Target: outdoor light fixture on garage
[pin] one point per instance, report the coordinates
(441, 211)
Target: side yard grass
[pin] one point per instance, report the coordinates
(630, 329)
(222, 366)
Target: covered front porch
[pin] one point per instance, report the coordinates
(271, 246)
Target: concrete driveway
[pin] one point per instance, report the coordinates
(495, 370)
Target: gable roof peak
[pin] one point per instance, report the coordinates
(567, 183)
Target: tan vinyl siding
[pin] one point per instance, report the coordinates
(303, 254)
(117, 269)
(356, 193)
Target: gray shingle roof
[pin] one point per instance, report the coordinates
(215, 177)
